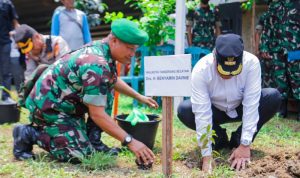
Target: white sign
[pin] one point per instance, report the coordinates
(168, 75)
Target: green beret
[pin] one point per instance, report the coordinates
(129, 32)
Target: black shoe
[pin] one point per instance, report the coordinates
(221, 140)
(24, 138)
(94, 134)
(101, 147)
(283, 109)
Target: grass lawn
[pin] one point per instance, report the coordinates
(279, 135)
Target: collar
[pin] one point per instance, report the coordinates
(106, 50)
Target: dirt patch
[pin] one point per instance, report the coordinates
(279, 165)
(270, 164)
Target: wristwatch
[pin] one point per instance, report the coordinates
(246, 142)
(127, 140)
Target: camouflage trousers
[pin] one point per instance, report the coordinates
(65, 139)
(286, 76)
(267, 73)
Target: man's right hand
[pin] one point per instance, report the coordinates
(207, 164)
(142, 152)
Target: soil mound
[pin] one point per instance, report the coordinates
(279, 165)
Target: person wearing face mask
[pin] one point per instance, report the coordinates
(226, 87)
(203, 26)
(82, 82)
(39, 49)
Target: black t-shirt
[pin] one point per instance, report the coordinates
(7, 15)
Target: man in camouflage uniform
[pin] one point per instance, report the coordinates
(269, 42)
(45, 49)
(203, 25)
(39, 49)
(290, 72)
(278, 37)
(267, 67)
(81, 82)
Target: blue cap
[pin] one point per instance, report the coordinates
(229, 54)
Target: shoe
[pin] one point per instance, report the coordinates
(24, 138)
(101, 147)
(283, 109)
(221, 140)
(94, 134)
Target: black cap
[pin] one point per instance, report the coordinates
(229, 54)
(23, 37)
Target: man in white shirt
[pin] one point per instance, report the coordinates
(226, 87)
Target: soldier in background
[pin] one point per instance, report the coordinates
(291, 42)
(264, 26)
(270, 49)
(278, 37)
(203, 26)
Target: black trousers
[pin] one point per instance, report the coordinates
(269, 104)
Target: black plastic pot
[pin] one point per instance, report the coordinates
(9, 113)
(145, 132)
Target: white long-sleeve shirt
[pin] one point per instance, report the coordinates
(208, 88)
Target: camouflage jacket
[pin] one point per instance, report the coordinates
(203, 22)
(272, 33)
(291, 25)
(85, 76)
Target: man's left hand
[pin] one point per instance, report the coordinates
(240, 157)
(149, 101)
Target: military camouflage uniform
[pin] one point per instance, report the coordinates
(281, 35)
(203, 22)
(267, 66)
(56, 102)
(290, 75)
(271, 39)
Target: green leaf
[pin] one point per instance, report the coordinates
(120, 15)
(203, 136)
(208, 128)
